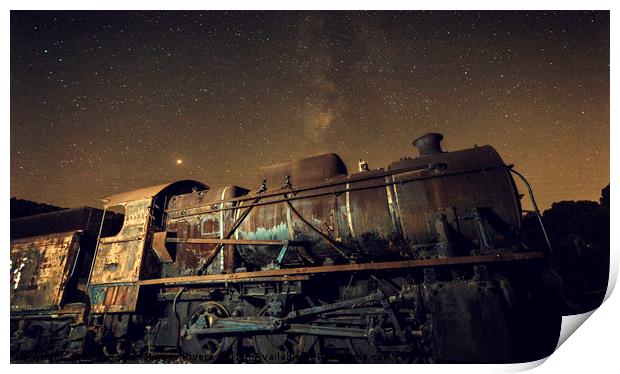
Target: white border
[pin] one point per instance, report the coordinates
(592, 348)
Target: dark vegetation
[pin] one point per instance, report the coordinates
(579, 232)
(24, 208)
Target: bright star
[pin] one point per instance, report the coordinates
(179, 162)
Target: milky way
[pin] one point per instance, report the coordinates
(103, 102)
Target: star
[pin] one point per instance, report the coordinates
(250, 89)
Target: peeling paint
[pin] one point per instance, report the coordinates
(18, 273)
(40, 268)
(278, 232)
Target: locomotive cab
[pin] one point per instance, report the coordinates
(123, 259)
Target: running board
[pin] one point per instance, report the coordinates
(285, 273)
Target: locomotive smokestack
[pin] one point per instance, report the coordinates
(429, 144)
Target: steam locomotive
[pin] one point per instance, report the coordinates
(423, 261)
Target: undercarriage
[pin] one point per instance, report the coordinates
(459, 314)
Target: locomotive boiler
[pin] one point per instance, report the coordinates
(421, 261)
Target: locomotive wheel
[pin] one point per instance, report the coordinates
(283, 348)
(202, 348)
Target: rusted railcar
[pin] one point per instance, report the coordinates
(50, 257)
(422, 261)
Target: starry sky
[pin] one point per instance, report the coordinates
(103, 102)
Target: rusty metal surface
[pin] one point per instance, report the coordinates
(119, 257)
(212, 197)
(40, 269)
(182, 186)
(191, 255)
(492, 188)
(373, 215)
(277, 222)
(121, 260)
(113, 298)
(75, 311)
(192, 204)
(392, 265)
(303, 172)
(226, 241)
(368, 219)
(429, 143)
(219, 280)
(160, 248)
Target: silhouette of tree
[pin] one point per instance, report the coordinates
(23, 208)
(604, 200)
(579, 232)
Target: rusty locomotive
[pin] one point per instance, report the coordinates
(422, 261)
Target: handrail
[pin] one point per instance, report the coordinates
(292, 193)
(92, 265)
(534, 205)
(363, 178)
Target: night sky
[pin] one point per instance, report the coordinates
(103, 102)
